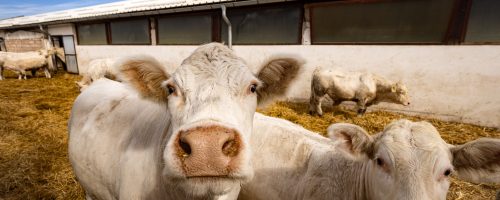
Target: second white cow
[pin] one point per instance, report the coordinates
(98, 68)
(172, 136)
(364, 88)
(408, 160)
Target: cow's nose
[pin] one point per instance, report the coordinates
(208, 151)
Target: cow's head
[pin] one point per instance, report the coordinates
(47, 52)
(399, 94)
(409, 160)
(212, 98)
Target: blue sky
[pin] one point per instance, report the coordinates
(12, 8)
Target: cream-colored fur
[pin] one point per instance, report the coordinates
(22, 62)
(98, 68)
(124, 136)
(408, 160)
(364, 88)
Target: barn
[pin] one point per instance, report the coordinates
(446, 51)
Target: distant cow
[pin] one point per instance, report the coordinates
(26, 61)
(172, 136)
(364, 88)
(98, 68)
(407, 160)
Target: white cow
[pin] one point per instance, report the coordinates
(172, 136)
(98, 68)
(364, 88)
(407, 160)
(26, 61)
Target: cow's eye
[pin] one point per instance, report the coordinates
(170, 89)
(253, 88)
(447, 172)
(380, 162)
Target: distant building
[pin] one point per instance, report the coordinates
(445, 50)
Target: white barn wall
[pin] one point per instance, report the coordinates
(459, 83)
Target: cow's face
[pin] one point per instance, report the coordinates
(212, 98)
(409, 160)
(400, 94)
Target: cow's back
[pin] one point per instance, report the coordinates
(114, 139)
(344, 85)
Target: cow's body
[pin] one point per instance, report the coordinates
(408, 160)
(98, 68)
(364, 88)
(26, 61)
(171, 136)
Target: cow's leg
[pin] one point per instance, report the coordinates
(47, 73)
(362, 106)
(315, 103)
(1, 72)
(33, 72)
(19, 75)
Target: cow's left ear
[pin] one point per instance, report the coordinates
(351, 138)
(478, 161)
(276, 76)
(394, 87)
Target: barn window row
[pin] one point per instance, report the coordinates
(337, 22)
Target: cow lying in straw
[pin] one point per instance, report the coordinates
(27, 61)
(98, 68)
(407, 160)
(364, 88)
(172, 136)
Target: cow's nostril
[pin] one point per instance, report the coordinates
(186, 149)
(230, 148)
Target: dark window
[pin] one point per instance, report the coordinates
(484, 22)
(187, 29)
(271, 25)
(135, 31)
(92, 34)
(411, 21)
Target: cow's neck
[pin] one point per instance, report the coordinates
(350, 176)
(383, 85)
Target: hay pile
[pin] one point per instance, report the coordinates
(33, 137)
(373, 122)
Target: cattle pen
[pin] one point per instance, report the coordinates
(33, 137)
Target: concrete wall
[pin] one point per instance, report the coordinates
(459, 83)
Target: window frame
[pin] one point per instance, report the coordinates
(215, 26)
(128, 19)
(266, 6)
(77, 38)
(467, 12)
(109, 37)
(446, 38)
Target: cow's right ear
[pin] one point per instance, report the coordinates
(145, 74)
(276, 76)
(351, 138)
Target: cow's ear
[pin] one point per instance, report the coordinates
(276, 76)
(478, 161)
(351, 138)
(145, 74)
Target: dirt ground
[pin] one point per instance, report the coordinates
(33, 137)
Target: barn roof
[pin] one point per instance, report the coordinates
(123, 9)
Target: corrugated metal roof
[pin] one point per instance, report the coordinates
(120, 7)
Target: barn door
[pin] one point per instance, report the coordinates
(70, 54)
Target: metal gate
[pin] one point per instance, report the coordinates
(70, 54)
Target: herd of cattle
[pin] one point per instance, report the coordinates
(143, 133)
